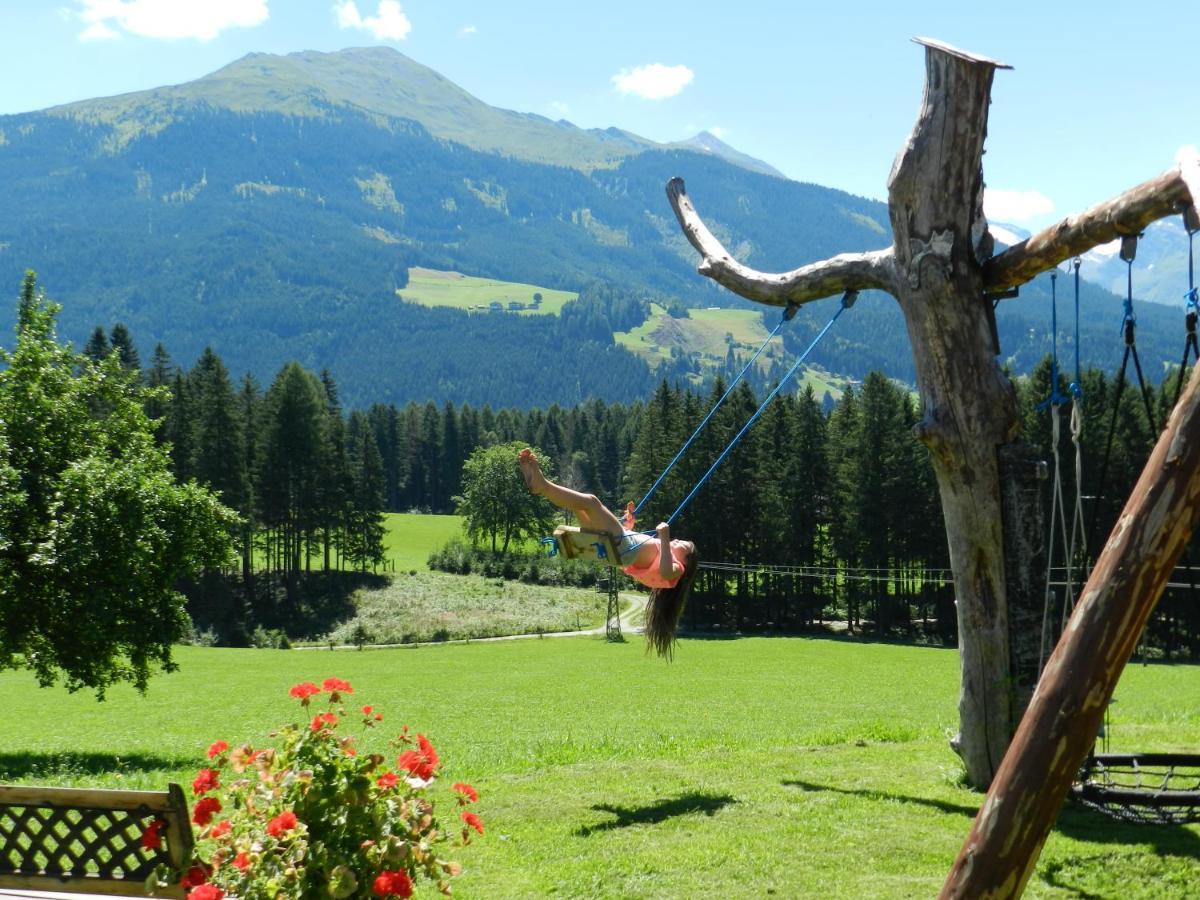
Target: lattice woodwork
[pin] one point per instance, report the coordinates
(89, 840)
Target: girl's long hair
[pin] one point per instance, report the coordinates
(664, 608)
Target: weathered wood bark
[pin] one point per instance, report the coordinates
(969, 405)
(1068, 705)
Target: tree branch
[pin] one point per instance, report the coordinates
(1126, 214)
(846, 271)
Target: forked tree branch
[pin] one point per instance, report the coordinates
(1123, 215)
(844, 272)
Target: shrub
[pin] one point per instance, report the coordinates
(311, 817)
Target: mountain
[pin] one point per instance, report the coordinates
(707, 142)
(273, 210)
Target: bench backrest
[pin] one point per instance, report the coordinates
(579, 543)
(90, 841)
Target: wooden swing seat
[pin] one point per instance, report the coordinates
(572, 542)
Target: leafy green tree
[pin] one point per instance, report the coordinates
(496, 504)
(96, 531)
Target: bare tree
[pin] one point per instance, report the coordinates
(940, 269)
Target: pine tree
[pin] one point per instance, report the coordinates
(97, 347)
(122, 344)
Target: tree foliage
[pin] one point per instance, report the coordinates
(96, 531)
(496, 505)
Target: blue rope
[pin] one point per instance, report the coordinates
(787, 317)
(1055, 398)
(1077, 384)
(847, 301)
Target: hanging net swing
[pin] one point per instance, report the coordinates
(1142, 788)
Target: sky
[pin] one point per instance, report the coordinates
(1101, 97)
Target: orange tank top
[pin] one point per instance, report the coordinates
(649, 574)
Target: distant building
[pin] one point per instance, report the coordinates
(496, 306)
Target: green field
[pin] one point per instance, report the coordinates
(430, 287)
(784, 767)
(707, 332)
(409, 538)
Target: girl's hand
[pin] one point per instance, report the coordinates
(663, 530)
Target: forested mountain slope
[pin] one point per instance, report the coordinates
(272, 209)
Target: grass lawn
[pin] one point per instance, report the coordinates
(409, 538)
(755, 767)
(430, 287)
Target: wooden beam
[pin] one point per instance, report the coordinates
(845, 272)
(1068, 705)
(1123, 215)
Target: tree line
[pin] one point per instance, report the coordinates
(825, 510)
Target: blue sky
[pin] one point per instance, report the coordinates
(1102, 95)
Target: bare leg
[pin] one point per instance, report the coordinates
(593, 515)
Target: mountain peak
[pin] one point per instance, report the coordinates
(707, 142)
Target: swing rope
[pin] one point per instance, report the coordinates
(847, 301)
(1191, 310)
(1129, 324)
(788, 314)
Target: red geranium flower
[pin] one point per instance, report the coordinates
(387, 780)
(205, 892)
(466, 790)
(241, 862)
(285, 821)
(393, 884)
(205, 809)
(151, 839)
(326, 718)
(205, 781)
(419, 763)
(195, 876)
(473, 821)
(220, 828)
(337, 686)
(217, 748)
(304, 690)
(367, 710)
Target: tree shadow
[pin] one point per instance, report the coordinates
(958, 809)
(1074, 821)
(654, 813)
(59, 766)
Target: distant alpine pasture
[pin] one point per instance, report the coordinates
(275, 209)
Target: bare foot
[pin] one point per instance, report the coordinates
(531, 470)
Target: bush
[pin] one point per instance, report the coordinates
(311, 817)
(458, 557)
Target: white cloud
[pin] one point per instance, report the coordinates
(718, 132)
(98, 31)
(1186, 153)
(654, 81)
(388, 24)
(201, 20)
(1015, 206)
(467, 31)
(560, 109)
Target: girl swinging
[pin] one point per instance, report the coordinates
(666, 566)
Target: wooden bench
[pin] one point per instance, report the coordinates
(90, 841)
(579, 543)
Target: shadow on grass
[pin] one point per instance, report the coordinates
(61, 766)
(958, 809)
(654, 813)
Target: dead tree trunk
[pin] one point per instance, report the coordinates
(1067, 708)
(939, 269)
(969, 405)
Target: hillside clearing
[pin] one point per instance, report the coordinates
(431, 287)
